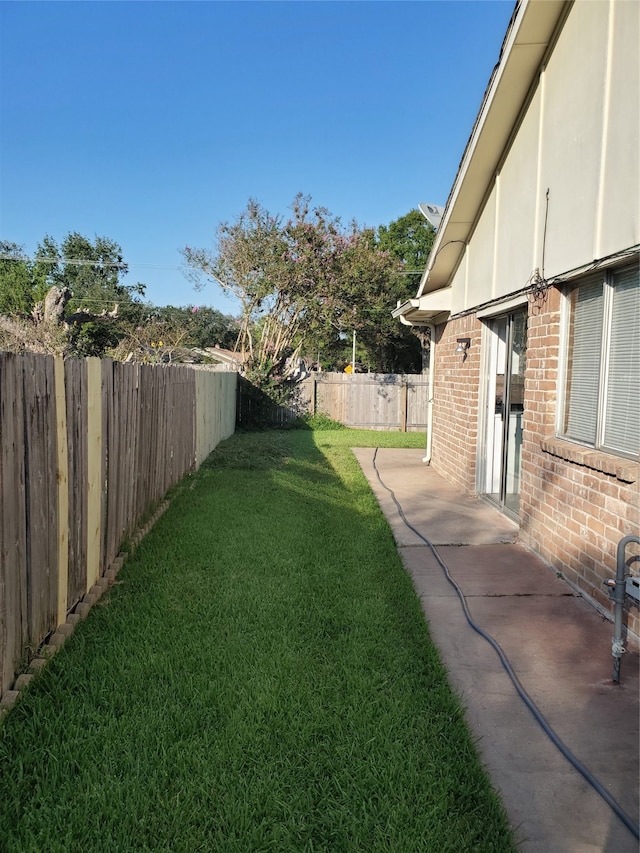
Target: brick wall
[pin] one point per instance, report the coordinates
(575, 503)
(455, 407)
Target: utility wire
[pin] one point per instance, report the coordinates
(122, 265)
(77, 262)
(528, 701)
(83, 262)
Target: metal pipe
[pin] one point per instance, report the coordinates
(353, 354)
(432, 373)
(617, 645)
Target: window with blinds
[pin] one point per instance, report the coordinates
(602, 368)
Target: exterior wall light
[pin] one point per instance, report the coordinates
(463, 346)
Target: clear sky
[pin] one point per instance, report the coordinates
(151, 122)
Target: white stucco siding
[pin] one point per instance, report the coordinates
(619, 223)
(502, 251)
(520, 201)
(578, 138)
(478, 284)
(573, 112)
(459, 283)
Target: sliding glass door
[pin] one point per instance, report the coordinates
(504, 410)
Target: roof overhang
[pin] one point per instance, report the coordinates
(527, 40)
(425, 310)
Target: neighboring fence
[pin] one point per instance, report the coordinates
(257, 410)
(86, 449)
(382, 401)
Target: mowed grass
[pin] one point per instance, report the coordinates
(260, 679)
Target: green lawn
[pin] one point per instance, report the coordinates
(260, 679)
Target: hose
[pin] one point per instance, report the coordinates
(528, 701)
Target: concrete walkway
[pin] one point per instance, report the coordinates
(557, 644)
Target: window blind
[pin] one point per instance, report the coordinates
(583, 360)
(622, 406)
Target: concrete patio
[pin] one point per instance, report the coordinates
(558, 645)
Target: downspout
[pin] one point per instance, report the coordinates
(432, 372)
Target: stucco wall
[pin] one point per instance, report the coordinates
(578, 139)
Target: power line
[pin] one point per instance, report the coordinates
(79, 262)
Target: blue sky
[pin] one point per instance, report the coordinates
(152, 122)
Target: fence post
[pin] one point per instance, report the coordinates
(403, 405)
(314, 392)
(63, 490)
(94, 468)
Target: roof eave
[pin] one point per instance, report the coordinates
(526, 42)
(426, 310)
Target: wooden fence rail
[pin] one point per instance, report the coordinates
(87, 448)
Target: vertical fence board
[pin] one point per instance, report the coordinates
(63, 491)
(13, 634)
(113, 456)
(121, 457)
(76, 382)
(144, 440)
(106, 382)
(94, 470)
(130, 474)
(41, 494)
(86, 449)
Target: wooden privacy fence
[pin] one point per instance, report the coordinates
(382, 401)
(87, 448)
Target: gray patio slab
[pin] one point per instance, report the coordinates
(557, 644)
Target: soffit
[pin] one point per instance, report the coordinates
(425, 310)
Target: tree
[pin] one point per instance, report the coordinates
(101, 306)
(22, 283)
(303, 284)
(409, 239)
(204, 326)
(91, 270)
(306, 283)
(83, 280)
(241, 266)
(169, 334)
(368, 281)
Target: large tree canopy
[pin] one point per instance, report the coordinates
(101, 306)
(304, 284)
(93, 270)
(71, 299)
(84, 278)
(409, 239)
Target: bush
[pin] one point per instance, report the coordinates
(319, 422)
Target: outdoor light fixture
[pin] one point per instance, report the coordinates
(463, 346)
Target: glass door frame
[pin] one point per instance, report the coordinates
(500, 438)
